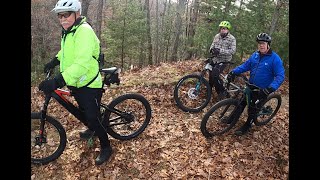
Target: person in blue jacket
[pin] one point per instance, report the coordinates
(266, 72)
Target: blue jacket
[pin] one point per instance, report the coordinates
(266, 71)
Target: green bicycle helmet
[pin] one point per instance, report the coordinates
(225, 24)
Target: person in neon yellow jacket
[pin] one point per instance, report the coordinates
(79, 71)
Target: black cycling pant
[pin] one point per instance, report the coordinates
(214, 78)
(89, 100)
(253, 108)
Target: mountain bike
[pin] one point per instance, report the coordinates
(216, 120)
(192, 93)
(124, 118)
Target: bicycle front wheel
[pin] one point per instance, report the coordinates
(192, 93)
(216, 121)
(268, 110)
(51, 144)
(132, 115)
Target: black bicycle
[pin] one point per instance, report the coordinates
(215, 121)
(125, 117)
(192, 93)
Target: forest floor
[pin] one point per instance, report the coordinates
(172, 146)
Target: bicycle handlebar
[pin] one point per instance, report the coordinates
(247, 83)
(209, 60)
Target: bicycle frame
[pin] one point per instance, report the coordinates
(209, 67)
(119, 118)
(246, 93)
(60, 96)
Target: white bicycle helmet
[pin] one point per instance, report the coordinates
(67, 5)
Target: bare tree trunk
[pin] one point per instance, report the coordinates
(261, 15)
(275, 17)
(192, 29)
(142, 55)
(187, 22)
(235, 28)
(147, 9)
(99, 19)
(161, 40)
(168, 34)
(157, 34)
(84, 8)
(123, 34)
(178, 25)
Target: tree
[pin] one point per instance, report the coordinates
(157, 34)
(147, 9)
(192, 29)
(84, 8)
(178, 25)
(99, 19)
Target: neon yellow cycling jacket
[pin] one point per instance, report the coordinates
(79, 46)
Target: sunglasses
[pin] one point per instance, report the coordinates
(65, 15)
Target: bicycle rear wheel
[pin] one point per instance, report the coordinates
(268, 110)
(192, 93)
(53, 143)
(134, 114)
(215, 121)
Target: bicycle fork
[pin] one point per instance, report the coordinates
(41, 138)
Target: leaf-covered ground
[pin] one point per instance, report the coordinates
(172, 146)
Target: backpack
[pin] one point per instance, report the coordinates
(100, 59)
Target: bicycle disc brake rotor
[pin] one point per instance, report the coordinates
(193, 93)
(266, 110)
(40, 140)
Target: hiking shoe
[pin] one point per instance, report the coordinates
(226, 120)
(243, 130)
(104, 155)
(87, 134)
